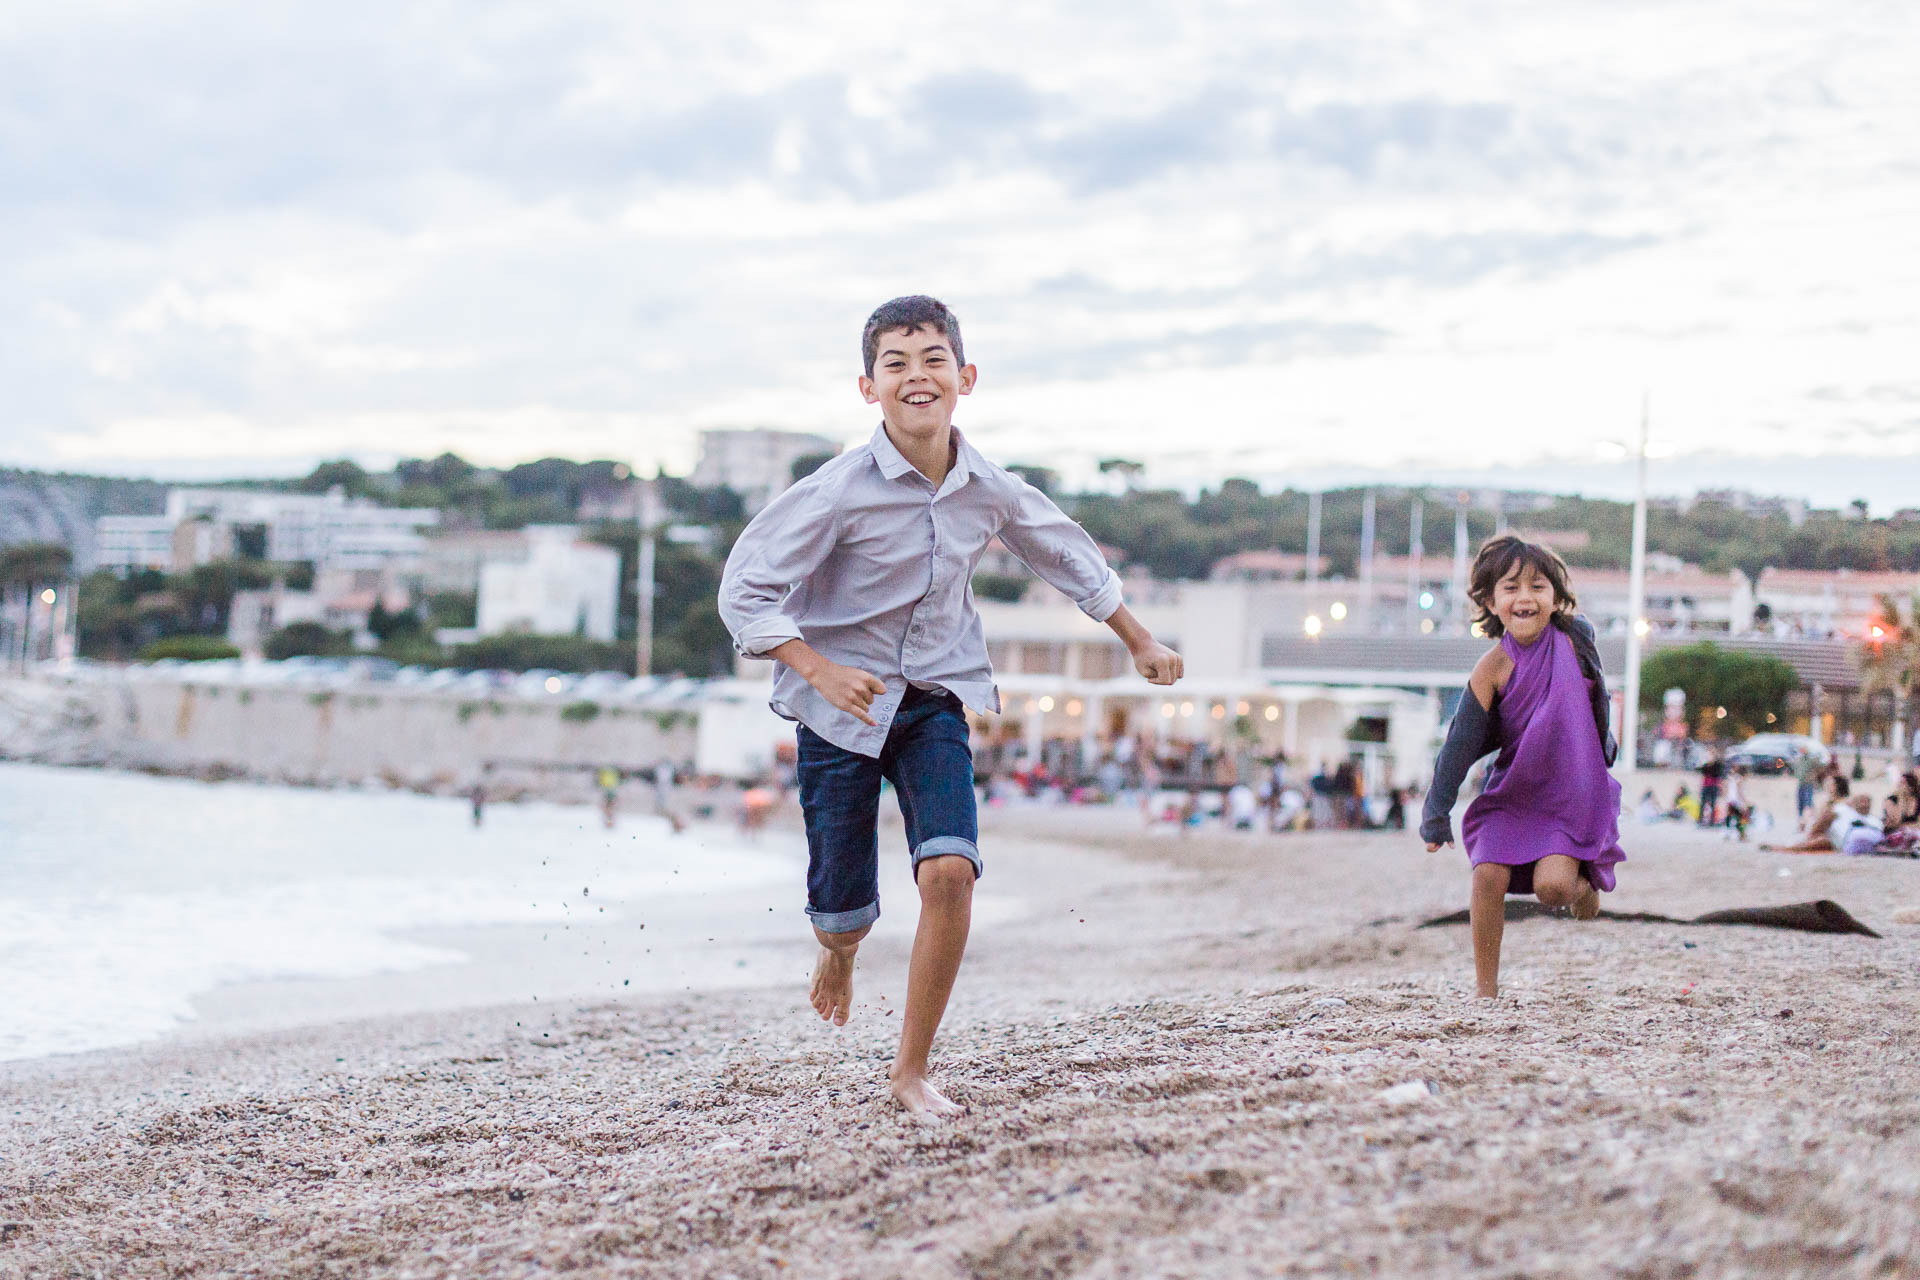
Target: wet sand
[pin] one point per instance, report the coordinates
(1242, 1061)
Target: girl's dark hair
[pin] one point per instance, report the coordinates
(917, 311)
(1498, 558)
(1841, 788)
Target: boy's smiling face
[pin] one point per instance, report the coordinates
(916, 382)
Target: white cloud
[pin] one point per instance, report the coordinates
(1356, 235)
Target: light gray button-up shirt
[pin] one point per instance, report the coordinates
(872, 566)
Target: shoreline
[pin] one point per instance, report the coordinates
(1209, 1076)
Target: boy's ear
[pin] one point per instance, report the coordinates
(866, 390)
(969, 374)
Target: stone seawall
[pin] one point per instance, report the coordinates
(305, 734)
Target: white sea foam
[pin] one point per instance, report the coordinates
(123, 897)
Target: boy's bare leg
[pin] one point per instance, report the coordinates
(832, 994)
(946, 912)
(1488, 911)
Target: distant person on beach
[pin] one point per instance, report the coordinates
(478, 794)
(1807, 768)
(1548, 820)
(1712, 774)
(856, 582)
(663, 805)
(609, 780)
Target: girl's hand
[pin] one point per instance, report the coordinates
(1435, 848)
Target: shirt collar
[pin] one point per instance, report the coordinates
(893, 464)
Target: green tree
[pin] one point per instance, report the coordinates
(1890, 660)
(808, 463)
(308, 639)
(1749, 686)
(344, 472)
(189, 649)
(35, 564)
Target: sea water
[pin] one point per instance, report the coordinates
(123, 897)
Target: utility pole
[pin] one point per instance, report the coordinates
(1461, 610)
(1636, 602)
(1368, 513)
(1313, 536)
(1416, 550)
(643, 624)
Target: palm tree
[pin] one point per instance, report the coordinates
(1890, 662)
(24, 570)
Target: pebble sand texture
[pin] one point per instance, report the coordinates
(1253, 1068)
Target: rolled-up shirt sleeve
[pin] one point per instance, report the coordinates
(1063, 554)
(776, 551)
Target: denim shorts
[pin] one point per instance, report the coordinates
(927, 760)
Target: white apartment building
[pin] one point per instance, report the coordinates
(562, 587)
(126, 543)
(330, 531)
(756, 463)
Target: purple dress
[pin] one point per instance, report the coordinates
(1548, 790)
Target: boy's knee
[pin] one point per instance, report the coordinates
(944, 876)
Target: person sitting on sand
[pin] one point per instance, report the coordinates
(856, 581)
(1816, 833)
(1548, 821)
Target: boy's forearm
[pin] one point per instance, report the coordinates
(1131, 631)
(805, 660)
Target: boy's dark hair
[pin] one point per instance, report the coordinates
(916, 311)
(1498, 558)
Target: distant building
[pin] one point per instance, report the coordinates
(1816, 602)
(1266, 566)
(451, 561)
(124, 544)
(1794, 509)
(328, 531)
(756, 463)
(562, 587)
(340, 600)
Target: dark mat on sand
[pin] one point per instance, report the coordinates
(1824, 916)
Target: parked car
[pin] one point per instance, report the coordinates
(1773, 753)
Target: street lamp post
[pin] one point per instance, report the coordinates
(643, 623)
(1636, 605)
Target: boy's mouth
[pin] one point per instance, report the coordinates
(919, 398)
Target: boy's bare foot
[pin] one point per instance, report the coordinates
(1586, 903)
(832, 994)
(917, 1094)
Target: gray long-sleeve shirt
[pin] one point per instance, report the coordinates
(872, 565)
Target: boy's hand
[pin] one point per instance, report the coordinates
(1159, 664)
(848, 688)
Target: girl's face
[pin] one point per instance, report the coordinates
(1523, 601)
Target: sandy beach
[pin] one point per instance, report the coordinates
(1234, 1056)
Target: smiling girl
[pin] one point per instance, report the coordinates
(1548, 820)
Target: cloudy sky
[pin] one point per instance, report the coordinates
(1302, 242)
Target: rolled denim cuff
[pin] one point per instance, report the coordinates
(844, 921)
(948, 846)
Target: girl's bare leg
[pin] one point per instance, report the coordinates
(1488, 911)
(1558, 882)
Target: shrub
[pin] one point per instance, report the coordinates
(308, 639)
(189, 649)
(580, 712)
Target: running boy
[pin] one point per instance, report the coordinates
(857, 581)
